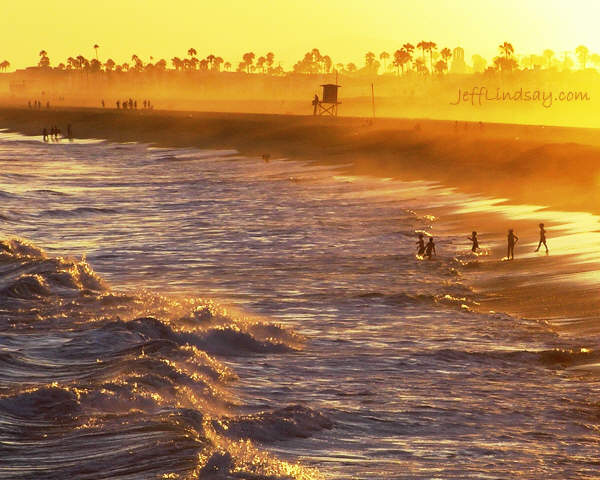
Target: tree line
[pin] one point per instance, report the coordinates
(424, 58)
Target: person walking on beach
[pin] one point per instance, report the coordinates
(315, 103)
(45, 135)
(430, 248)
(542, 238)
(118, 104)
(512, 239)
(420, 245)
(473, 238)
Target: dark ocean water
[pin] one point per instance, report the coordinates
(179, 313)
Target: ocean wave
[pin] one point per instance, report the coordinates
(552, 358)
(87, 372)
(77, 212)
(295, 421)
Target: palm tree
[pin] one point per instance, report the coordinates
(441, 67)
(446, 54)
(95, 65)
(211, 61)
(177, 63)
(81, 62)
(431, 46)
(44, 60)
(401, 58)
(423, 45)
(582, 54)
(260, 63)
(507, 49)
(327, 63)
(248, 60)
(420, 66)
(109, 65)
(351, 67)
(217, 62)
(270, 59)
(548, 54)
(227, 66)
(125, 66)
(96, 47)
(383, 56)
(139, 65)
(193, 61)
(4, 65)
(161, 65)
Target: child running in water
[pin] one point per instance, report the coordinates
(420, 245)
(512, 239)
(430, 248)
(473, 238)
(542, 238)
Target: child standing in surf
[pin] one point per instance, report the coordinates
(473, 238)
(430, 248)
(512, 239)
(542, 238)
(420, 246)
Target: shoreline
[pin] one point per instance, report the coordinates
(548, 166)
(543, 289)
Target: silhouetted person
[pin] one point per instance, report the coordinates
(145, 104)
(69, 133)
(420, 245)
(315, 104)
(130, 104)
(542, 238)
(47, 104)
(102, 103)
(512, 239)
(118, 105)
(266, 157)
(124, 104)
(135, 104)
(45, 135)
(430, 248)
(473, 238)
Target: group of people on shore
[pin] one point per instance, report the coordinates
(37, 105)
(54, 134)
(428, 249)
(131, 104)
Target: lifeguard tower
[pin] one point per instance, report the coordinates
(329, 100)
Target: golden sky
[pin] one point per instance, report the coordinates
(343, 29)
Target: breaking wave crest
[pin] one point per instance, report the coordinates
(128, 383)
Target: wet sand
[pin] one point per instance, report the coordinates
(558, 167)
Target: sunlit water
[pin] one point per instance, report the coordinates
(341, 351)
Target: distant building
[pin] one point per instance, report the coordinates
(458, 61)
